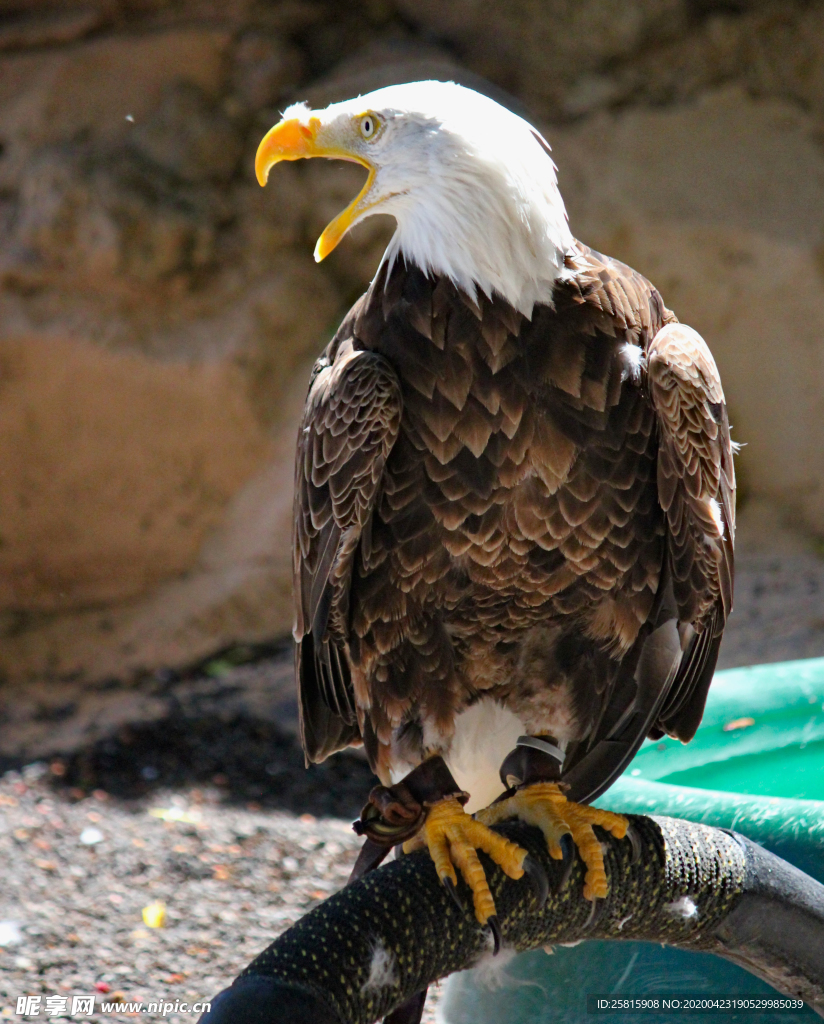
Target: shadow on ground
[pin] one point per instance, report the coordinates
(229, 722)
(248, 760)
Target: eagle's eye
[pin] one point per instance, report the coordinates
(368, 125)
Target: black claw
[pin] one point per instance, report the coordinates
(635, 842)
(594, 913)
(452, 889)
(569, 849)
(495, 928)
(538, 878)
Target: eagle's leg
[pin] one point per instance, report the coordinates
(391, 815)
(533, 771)
(426, 810)
(396, 813)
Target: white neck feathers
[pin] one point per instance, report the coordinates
(481, 203)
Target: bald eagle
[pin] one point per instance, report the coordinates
(514, 494)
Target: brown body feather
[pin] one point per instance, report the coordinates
(529, 510)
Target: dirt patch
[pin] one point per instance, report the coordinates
(244, 759)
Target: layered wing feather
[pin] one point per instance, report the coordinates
(350, 423)
(696, 489)
(661, 684)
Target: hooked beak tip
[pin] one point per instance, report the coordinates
(287, 140)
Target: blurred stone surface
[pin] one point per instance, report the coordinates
(264, 69)
(188, 136)
(535, 49)
(151, 365)
(159, 312)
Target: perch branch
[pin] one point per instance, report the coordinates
(374, 944)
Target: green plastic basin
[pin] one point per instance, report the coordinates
(755, 765)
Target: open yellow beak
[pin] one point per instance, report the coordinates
(294, 140)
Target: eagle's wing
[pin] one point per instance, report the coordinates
(350, 423)
(661, 684)
(696, 489)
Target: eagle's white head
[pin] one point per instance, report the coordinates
(471, 185)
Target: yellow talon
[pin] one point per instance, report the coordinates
(452, 836)
(544, 805)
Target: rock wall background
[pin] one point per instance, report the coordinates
(159, 312)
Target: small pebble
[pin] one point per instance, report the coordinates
(154, 915)
(10, 934)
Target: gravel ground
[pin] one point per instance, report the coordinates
(80, 869)
(208, 810)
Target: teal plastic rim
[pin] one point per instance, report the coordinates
(762, 738)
